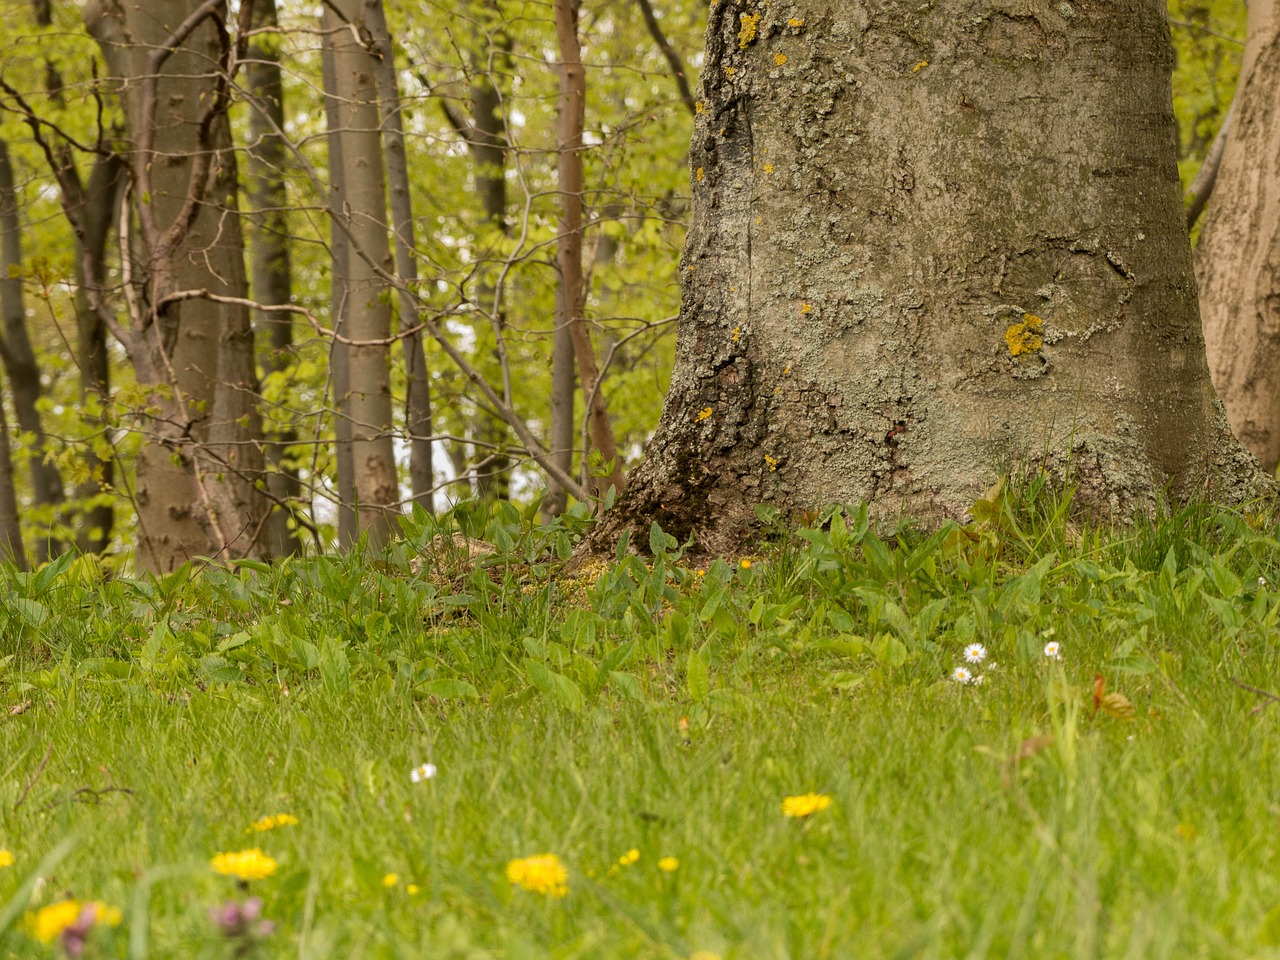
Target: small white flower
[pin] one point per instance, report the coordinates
(980, 679)
(1262, 582)
(424, 772)
(975, 653)
(962, 675)
(1053, 650)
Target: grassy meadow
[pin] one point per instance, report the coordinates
(1107, 784)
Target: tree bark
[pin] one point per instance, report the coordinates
(272, 270)
(571, 112)
(1238, 256)
(10, 529)
(418, 385)
(930, 245)
(363, 215)
(339, 352)
(20, 358)
(194, 488)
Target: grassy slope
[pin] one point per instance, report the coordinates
(826, 669)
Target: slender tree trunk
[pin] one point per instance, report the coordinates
(19, 357)
(571, 108)
(272, 272)
(1238, 256)
(195, 487)
(563, 383)
(339, 353)
(97, 209)
(418, 386)
(487, 139)
(10, 529)
(669, 54)
(931, 244)
(363, 215)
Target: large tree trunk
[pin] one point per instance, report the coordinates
(272, 272)
(195, 482)
(1238, 257)
(571, 110)
(19, 357)
(931, 243)
(363, 216)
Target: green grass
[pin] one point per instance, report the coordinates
(553, 708)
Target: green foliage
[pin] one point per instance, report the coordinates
(1087, 804)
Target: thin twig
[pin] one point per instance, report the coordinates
(1270, 697)
(36, 776)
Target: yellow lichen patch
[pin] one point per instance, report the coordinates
(1025, 336)
(699, 106)
(729, 72)
(759, 220)
(786, 371)
(779, 58)
(795, 22)
(767, 168)
(920, 66)
(699, 174)
(771, 463)
(806, 308)
(703, 414)
(747, 30)
(737, 333)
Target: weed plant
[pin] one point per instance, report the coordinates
(642, 722)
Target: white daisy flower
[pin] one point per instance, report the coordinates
(980, 679)
(975, 653)
(1053, 650)
(962, 675)
(424, 772)
(1262, 582)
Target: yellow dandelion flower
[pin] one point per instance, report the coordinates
(391, 880)
(745, 564)
(271, 822)
(628, 858)
(47, 923)
(543, 873)
(412, 889)
(246, 865)
(804, 805)
(669, 864)
(6, 859)
(779, 59)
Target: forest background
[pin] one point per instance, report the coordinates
(479, 90)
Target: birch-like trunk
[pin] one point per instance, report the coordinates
(10, 530)
(194, 488)
(1238, 256)
(362, 214)
(931, 244)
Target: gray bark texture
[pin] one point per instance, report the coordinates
(1238, 256)
(931, 243)
(363, 216)
(194, 488)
